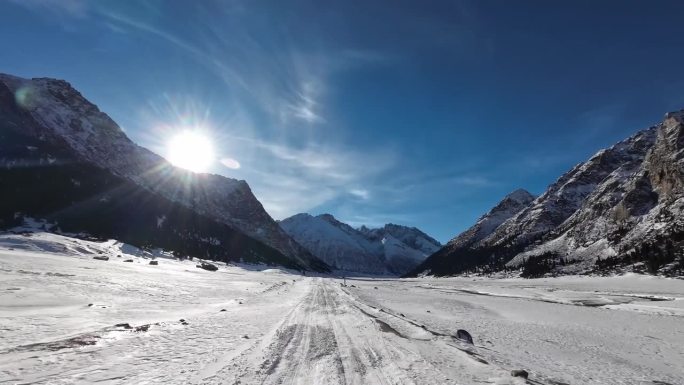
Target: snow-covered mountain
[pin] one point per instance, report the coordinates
(392, 249)
(571, 190)
(511, 205)
(635, 215)
(621, 207)
(403, 247)
(54, 116)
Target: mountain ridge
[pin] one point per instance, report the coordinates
(389, 250)
(604, 213)
(57, 116)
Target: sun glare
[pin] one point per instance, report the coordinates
(191, 150)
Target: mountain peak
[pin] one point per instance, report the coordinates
(508, 207)
(675, 115)
(391, 249)
(520, 195)
(327, 217)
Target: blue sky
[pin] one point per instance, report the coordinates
(423, 113)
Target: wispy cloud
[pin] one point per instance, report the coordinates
(276, 96)
(305, 105)
(285, 82)
(72, 8)
(289, 179)
(360, 193)
(288, 171)
(474, 181)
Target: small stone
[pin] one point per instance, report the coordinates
(245, 337)
(519, 373)
(128, 260)
(142, 328)
(464, 336)
(223, 310)
(101, 258)
(208, 266)
(155, 263)
(123, 325)
(90, 304)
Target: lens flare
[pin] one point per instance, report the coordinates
(230, 163)
(26, 97)
(190, 150)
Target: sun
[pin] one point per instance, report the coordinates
(190, 150)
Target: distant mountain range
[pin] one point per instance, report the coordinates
(389, 250)
(620, 210)
(64, 160)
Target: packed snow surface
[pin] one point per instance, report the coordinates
(254, 325)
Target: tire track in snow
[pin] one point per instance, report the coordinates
(327, 338)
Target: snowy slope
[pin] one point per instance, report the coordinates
(447, 259)
(569, 192)
(336, 243)
(566, 330)
(634, 215)
(392, 249)
(511, 205)
(403, 247)
(620, 210)
(55, 113)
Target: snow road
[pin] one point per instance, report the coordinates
(331, 338)
(68, 318)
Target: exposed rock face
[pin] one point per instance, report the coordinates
(665, 164)
(390, 250)
(620, 209)
(53, 116)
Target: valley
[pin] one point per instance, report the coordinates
(253, 324)
(341, 193)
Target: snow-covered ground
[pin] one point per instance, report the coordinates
(249, 325)
(574, 330)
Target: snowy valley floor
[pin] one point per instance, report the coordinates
(59, 308)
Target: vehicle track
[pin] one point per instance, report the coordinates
(331, 338)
